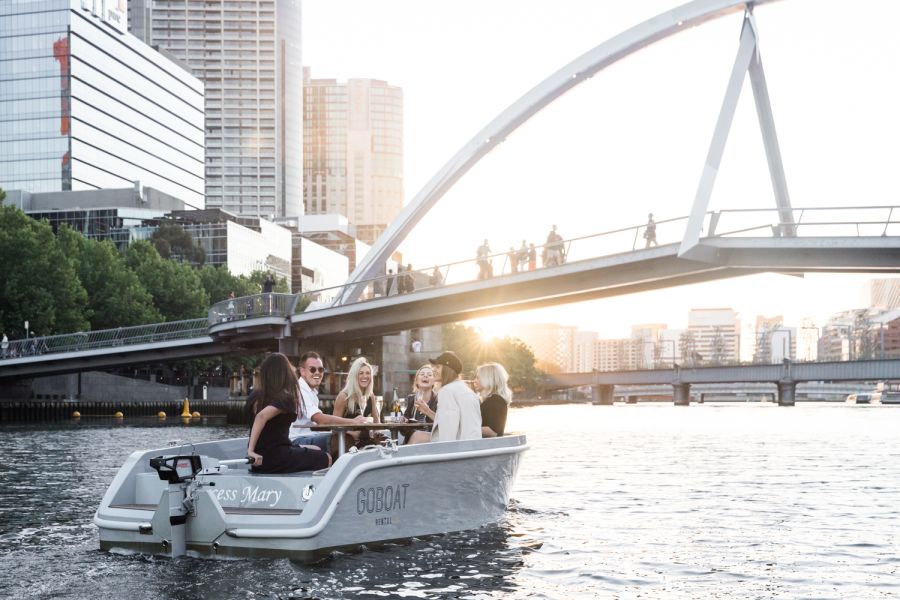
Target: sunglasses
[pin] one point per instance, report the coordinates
(315, 369)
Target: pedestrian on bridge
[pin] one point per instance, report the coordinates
(4, 345)
(482, 257)
(513, 258)
(650, 231)
(554, 251)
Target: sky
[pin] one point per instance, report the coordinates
(634, 138)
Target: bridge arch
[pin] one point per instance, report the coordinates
(574, 73)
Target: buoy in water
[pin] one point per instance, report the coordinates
(118, 414)
(76, 415)
(186, 411)
(161, 414)
(196, 414)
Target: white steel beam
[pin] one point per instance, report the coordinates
(576, 72)
(745, 52)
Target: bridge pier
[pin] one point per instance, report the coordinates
(602, 394)
(681, 393)
(787, 391)
(290, 347)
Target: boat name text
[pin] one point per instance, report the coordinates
(248, 495)
(378, 499)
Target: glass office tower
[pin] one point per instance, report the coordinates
(84, 105)
(247, 52)
(353, 154)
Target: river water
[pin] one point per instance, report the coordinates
(628, 501)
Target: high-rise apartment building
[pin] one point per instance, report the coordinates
(584, 348)
(884, 293)
(353, 151)
(84, 105)
(247, 52)
(712, 336)
(618, 355)
(553, 345)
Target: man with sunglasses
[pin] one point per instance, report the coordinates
(311, 372)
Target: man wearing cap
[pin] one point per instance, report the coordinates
(459, 410)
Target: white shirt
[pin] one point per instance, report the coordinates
(458, 414)
(309, 404)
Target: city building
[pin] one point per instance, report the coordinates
(553, 345)
(618, 355)
(807, 341)
(247, 52)
(712, 337)
(353, 151)
(85, 105)
(649, 336)
(584, 351)
(884, 294)
(241, 244)
(773, 342)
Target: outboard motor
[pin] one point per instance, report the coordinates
(179, 471)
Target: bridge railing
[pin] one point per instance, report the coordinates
(105, 338)
(848, 221)
(255, 306)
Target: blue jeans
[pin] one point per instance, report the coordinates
(318, 438)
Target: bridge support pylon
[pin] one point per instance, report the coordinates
(602, 394)
(787, 390)
(681, 393)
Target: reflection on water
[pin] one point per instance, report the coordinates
(653, 501)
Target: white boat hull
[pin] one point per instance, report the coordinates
(375, 495)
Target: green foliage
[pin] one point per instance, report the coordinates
(2, 195)
(172, 241)
(37, 282)
(116, 297)
(176, 288)
(281, 284)
(219, 283)
(512, 353)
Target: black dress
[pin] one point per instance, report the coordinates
(274, 444)
(493, 413)
(420, 417)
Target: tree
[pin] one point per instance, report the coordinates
(116, 297)
(281, 283)
(512, 353)
(219, 283)
(172, 241)
(176, 288)
(37, 282)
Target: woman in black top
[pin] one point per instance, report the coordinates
(492, 384)
(421, 405)
(275, 403)
(357, 398)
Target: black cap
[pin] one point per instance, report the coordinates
(448, 358)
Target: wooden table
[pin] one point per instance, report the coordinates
(394, 428)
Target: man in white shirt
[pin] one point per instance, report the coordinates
(311, 372)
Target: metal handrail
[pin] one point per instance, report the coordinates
(105, 338)
(284, 305)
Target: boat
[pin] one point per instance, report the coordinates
(864, 398)
(203, 500)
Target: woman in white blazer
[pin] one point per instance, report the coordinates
(459, 410)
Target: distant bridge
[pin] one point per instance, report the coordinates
(784, 376)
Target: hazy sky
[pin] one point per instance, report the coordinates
(634, 138)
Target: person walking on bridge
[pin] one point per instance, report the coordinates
(650, 231)
(482, 257)
(554, 251)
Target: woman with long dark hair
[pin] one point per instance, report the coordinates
(276, 402)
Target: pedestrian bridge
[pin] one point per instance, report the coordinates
(610, 263)
(703, 246)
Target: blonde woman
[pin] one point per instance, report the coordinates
(492, 384)
(357, 398)
(458, 416)
(421, 405)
